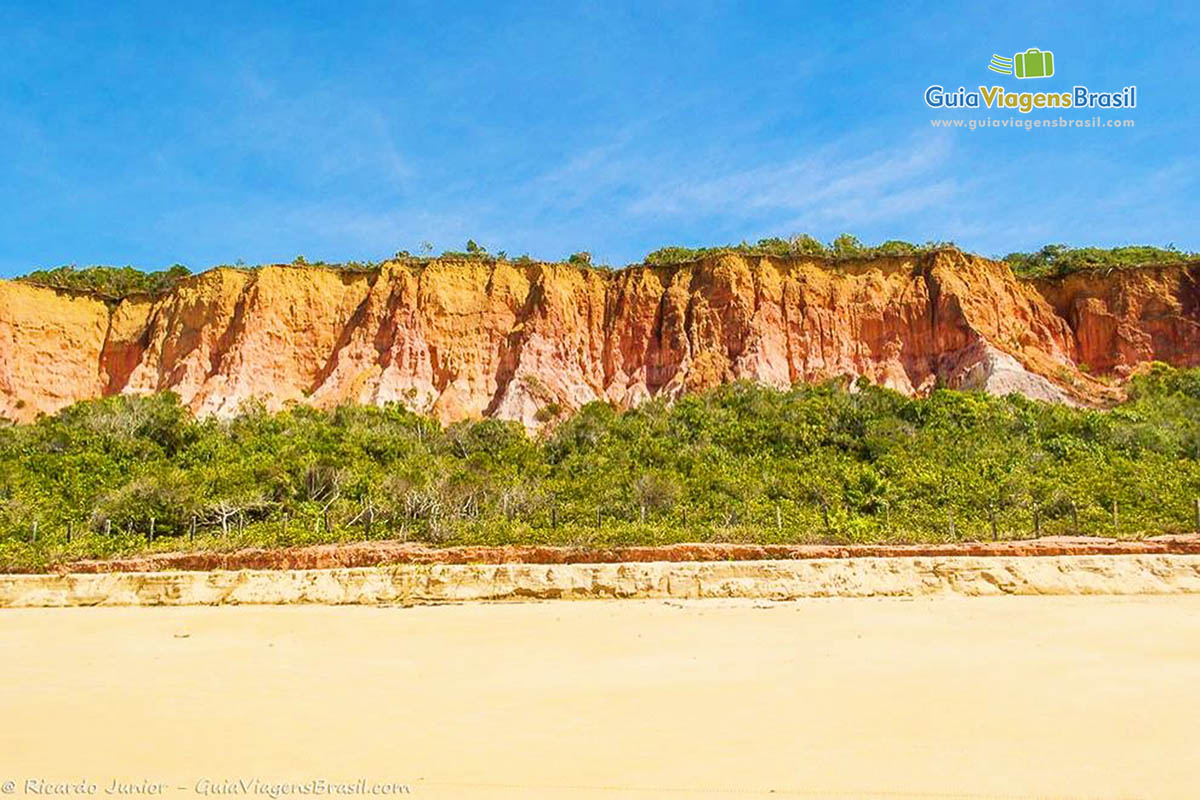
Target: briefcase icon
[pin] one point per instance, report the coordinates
(1033, 63)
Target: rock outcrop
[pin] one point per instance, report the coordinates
(472, 338)
(1129, 317)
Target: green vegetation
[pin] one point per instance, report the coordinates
(743, 463)
(1053, 260)
(474, 251)
(341, 266)
(1059, 260)
(110, 282)
(843, 247)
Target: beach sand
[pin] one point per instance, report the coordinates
(1073, 697)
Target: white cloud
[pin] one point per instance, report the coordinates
(834, 184)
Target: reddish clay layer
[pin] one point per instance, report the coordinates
(370, 554)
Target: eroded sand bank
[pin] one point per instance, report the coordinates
(1017, 697)
(412, 584)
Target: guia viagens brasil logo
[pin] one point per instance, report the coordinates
(1031, 63)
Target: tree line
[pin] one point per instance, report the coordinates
(1052, 260)
(839, 462)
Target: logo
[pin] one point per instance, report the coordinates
(1033, 63)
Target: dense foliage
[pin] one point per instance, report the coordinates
(1058, 260)
(112, 282)
(844, 246)
(742, 463)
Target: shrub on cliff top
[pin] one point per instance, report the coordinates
(1058, 260)
(847, 246)
(112, 282)
(474, 251)
(844, 246)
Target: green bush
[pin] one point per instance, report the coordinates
(1058, 260)
(743, 463)
(847, 246)
(801, 245)
(113, 282)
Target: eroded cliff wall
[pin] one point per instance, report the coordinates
(463, 339)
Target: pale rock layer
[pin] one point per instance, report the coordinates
(412, 584)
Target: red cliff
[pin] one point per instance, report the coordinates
(474, 338)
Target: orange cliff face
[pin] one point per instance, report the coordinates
(1130, 317)
(466, 339)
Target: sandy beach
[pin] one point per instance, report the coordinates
(1063, 697)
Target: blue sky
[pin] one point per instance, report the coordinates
(156, 133)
